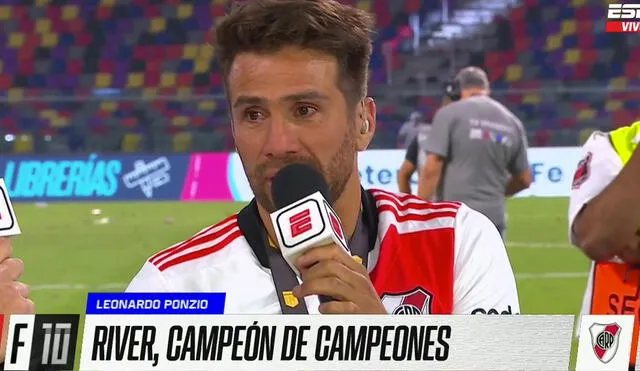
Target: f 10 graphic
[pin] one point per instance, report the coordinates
(42, 340)
(148, 176)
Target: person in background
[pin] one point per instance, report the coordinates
(410, 129)
(414, 159)
(604, 200)
(416, 155)
(477, 150)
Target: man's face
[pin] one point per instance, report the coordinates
(287, 108)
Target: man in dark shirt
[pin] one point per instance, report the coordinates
(414, 158)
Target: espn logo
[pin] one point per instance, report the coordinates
(623, 18)
(49, 340)
(300, 223)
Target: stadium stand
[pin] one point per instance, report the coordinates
(137, 75)
(550, 62)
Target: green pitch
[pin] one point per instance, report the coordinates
(69, 252)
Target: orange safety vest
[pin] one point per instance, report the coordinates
(616, 287)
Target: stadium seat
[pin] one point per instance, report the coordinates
(131, 142)
(182, 142)
(584, 134)
(23, 144)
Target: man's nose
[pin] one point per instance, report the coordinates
(282, 139)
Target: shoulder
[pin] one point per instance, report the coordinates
(410, 213)
(213, 242)
(450, 108)
(598, 158)
(599, 141)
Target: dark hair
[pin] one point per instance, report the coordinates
(266, 26)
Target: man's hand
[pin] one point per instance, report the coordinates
(330, 271)
(13, 294)
(630, 253)
(608, 227)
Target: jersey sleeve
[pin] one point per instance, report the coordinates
(412, 152)
(484, 280)
(599, 165)
(148, 279)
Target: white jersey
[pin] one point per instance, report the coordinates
(599, 166)
(450, 254)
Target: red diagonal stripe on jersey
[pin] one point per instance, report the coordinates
(417, 217)
(201, 253)
(418, 203)
(195, 242)
(408, 197)
(599, 352)
(177, 246)
(417, 299)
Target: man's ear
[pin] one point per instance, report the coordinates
(366, 122)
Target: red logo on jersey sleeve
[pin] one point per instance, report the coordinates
(582, 172)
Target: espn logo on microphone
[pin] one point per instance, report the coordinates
(623, 18)
(300, 223)
(309, 221)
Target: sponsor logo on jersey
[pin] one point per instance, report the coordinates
(509, 310)
(417, 301)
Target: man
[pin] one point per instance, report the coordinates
(416, 154)
(295, 76)
(613, 286)
(477, 150)
(414, 159)
(410, 129)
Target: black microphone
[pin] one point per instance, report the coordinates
(304, 219)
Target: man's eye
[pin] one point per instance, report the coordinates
(254, 115)
(304, 111)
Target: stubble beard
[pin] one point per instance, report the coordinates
(337, 173)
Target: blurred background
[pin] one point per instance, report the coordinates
(138, 76)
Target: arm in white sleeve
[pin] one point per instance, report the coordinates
(484, 280)
(148, 279)
(600, 164)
